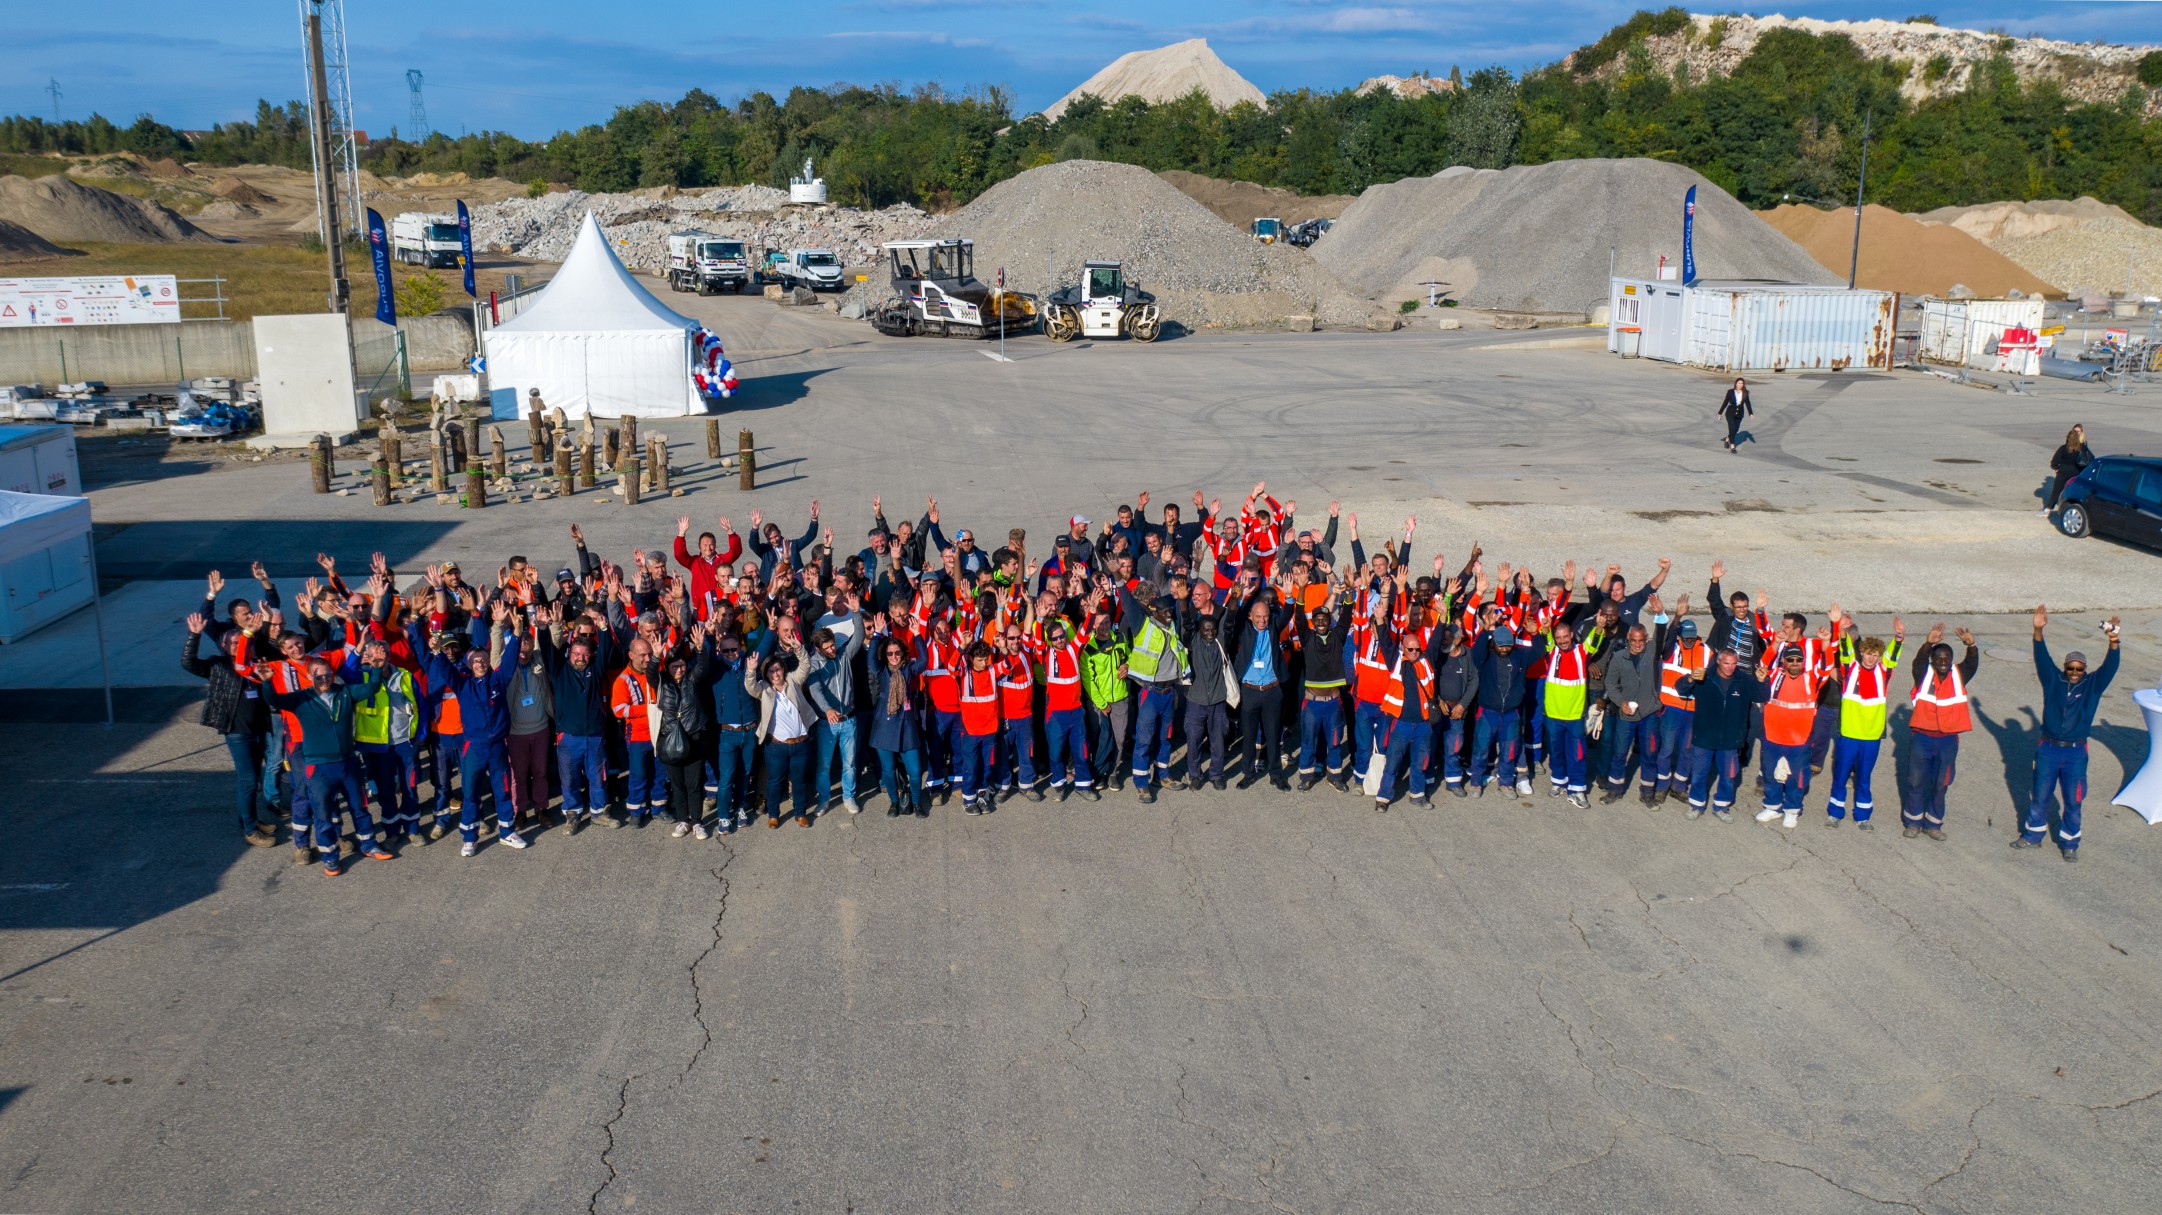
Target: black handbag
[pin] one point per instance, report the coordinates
(674, 745)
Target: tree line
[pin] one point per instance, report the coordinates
(1789, 120)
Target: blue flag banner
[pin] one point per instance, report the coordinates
(386, 309)
(1689, 236)
(465, 248)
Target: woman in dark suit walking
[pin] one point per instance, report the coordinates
(1734, 407)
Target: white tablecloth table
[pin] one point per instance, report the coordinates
(2144, 792)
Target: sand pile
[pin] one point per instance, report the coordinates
(1165, 74)
(17, 241)
(1901, 253)
(1240, 203)
(1536, 237)
(239, 191)
(2101, 257)
(58, 208)
(1992, 222)
(1042, 224)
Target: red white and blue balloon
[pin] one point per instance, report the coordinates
(714, 375)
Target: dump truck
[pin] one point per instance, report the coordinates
(707, 263)
(423, 238)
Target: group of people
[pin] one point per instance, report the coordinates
(763, 674)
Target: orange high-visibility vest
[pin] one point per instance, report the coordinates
(1392, 701)
(1016, 687)
(1941, 708)
(1792, 709)
(942, 675)
(1680, 661)
(632, 692)
(978, 695)
(1062, 677)
(1370, 674)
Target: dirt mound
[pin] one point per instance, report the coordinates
(1901, 253)
(239, 191)
(2094, 258)
(1165, 74)
(1992, 222)
(17, 241)
(1537, 237)
(1240, 203)
(1042, 224)
(62, 209)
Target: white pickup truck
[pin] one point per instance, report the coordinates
(818, 269)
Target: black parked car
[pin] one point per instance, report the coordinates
(2117, 496)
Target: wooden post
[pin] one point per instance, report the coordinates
(563, 469)
(386, 439)
(319, 467)
(498, 454)
(585, 460)
(629, 480)
(713, 438)
(470, 446)
(611, 450)
(746, 461)
(629, 445)
(660, 464)
(380, 474)
(438, 472)
(536, 435)
(655, 445)
(476, 487)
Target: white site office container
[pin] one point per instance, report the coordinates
(44, 561)
(1736, 326)
(1651, 312)
(1967, 331)
(39, 460)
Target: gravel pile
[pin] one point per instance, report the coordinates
(61, 209)
(1901, 253)
(1536, 237)
(1043, 223)
(2094, 258)
(18, 241)
(638, 224)
(1992, 222)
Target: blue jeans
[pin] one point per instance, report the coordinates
(447, 749)
(1565, 753)
(2059, 768)
(1066, 742)
(945, 746)
(643, 792)
(789, 764)
(1675, 729)
(327, 782)
(1713, 773)
(1936, 760)
(1153, 714)
(1785, 794)
(247, 751)
(395, 769)
(1495, 728)
(832, 738)
(1856, 757)
(1405, 742)
(1017, 752)
(484, 770)
(733, 751)
(893, 768)
(1321, 724)
(582, 767)
(1621, 734)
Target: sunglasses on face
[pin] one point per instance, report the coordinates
(2073, 668)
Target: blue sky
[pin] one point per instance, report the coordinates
(542, 65)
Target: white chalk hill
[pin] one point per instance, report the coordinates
(1165, 74)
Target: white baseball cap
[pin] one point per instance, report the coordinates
(1078, 521)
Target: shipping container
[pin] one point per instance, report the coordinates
(1645, 318)
(1748, 326)
(1964, 332)
(39, 460)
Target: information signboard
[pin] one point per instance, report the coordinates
(120, 299)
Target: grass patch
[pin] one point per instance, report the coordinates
(260, 280)
(22, 164)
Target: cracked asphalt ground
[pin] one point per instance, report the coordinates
(1221, 1002)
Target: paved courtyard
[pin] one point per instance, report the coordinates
(1220, 1002)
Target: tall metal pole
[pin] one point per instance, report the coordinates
(326, 190)
(1854, 262)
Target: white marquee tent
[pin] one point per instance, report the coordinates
(595, 341)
